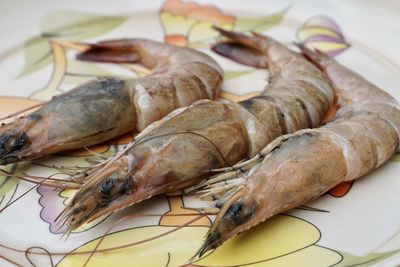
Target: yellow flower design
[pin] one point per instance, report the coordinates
(281, 241)
(186, 23)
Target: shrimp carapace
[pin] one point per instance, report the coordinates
(106, 107)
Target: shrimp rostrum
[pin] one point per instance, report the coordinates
(302, 166)
(171, 154)
(107, 107)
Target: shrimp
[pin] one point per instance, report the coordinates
(107, 106)
(172, 153)
(299, 167)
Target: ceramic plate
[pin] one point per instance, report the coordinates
(354, 224)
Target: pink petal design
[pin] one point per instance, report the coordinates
(53, 201)
(52, 205)
(325, 22)
(324, 38)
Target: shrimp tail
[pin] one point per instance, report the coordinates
(317, 57)
(241, 54)
(248, 41)
(118, 51)
(241, 48)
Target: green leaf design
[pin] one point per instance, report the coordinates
(64, 25)
(79, 72)
(37, 55)
(77, 25)
(260, 24)
(231, 74)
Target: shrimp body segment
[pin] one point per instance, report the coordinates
(304, 165)
(173, 153)
(107, 107)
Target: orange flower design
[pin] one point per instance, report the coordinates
(186, 23)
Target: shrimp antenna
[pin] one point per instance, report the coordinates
(22, 111)
(94, 153)
(46, 181)
(201, 215)
(92, 252)
(35, 106)
(26, 192)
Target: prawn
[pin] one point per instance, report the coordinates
(172, 153)
(107, 107)
(299, 167)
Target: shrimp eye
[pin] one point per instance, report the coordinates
(20, 142)
(4, 139)
(236, 210)
(241, 211)
(12, 142)
(107, 185)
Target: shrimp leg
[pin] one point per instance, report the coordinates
(364, 134)
(173, 153)
(107, 106)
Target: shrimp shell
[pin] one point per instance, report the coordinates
(107, 107)
(172, 153)
(302, 166)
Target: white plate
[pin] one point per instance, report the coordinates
(355, 224)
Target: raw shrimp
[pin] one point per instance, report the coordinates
(302, 166)
(172, 153)
(107, 106)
